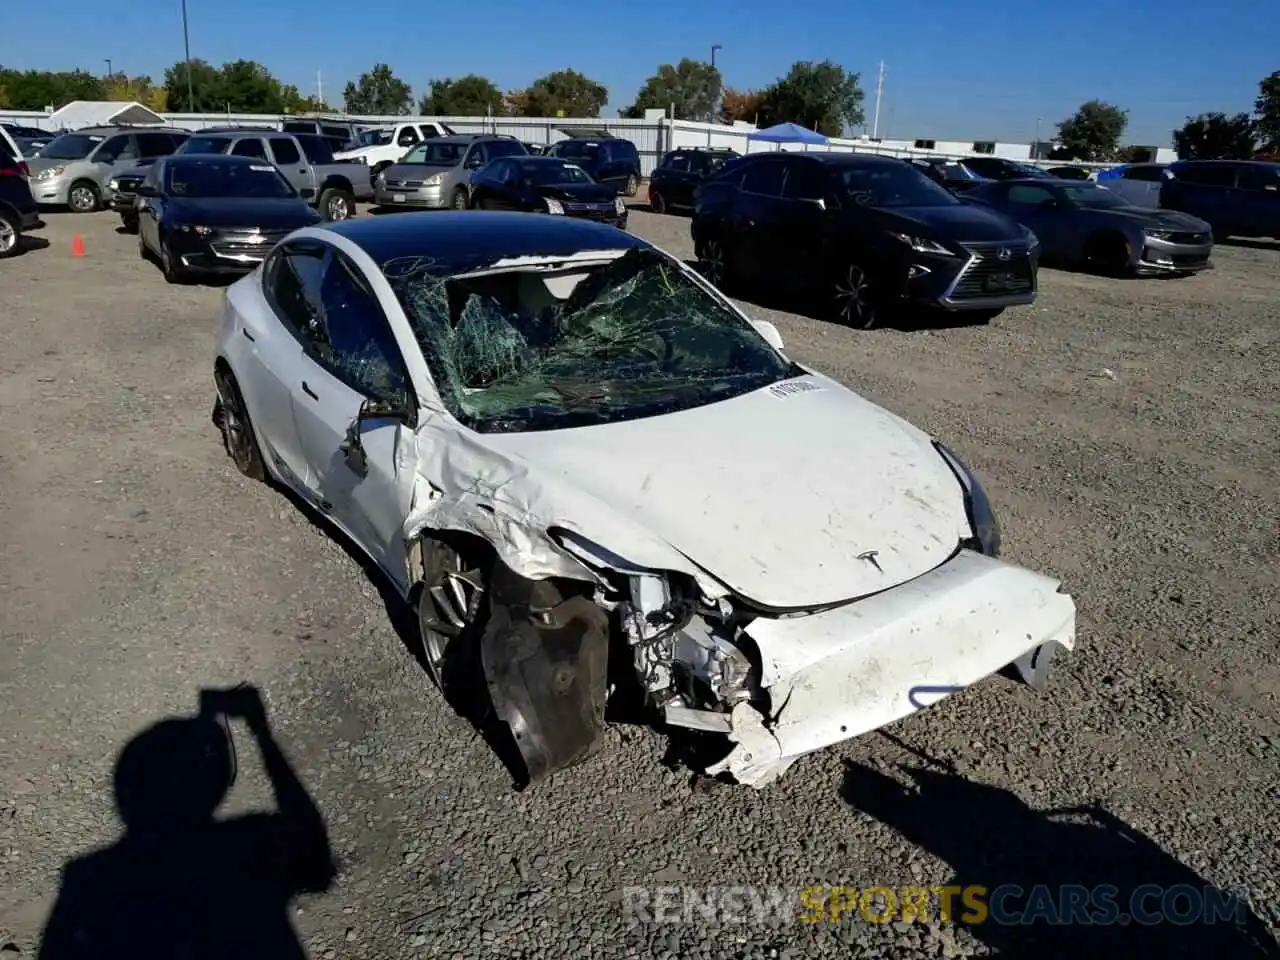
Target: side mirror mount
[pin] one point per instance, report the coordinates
(770, 333)
(352, 447)
(306, 193)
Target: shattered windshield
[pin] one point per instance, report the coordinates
(578, 343)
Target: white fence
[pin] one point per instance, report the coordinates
(652, 138)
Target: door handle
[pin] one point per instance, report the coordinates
(247, 334)
(309, 392)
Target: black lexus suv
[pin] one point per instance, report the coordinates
(674, 180)
(867, 232)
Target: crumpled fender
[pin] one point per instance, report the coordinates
(545, 660)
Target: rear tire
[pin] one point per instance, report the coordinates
(657, 202)
(337, 203)
(633, 184)
(232, 418)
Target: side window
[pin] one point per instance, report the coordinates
(804, 182)
(285, 151)
(1260, 178)
(1025, 195)
(360, 349)
(1209, 175)
(407, 136)
(155, 144)
(1148, 174)
(249, 147)
(116, 148)
(764, 178)
(475, 157)
(177, 140)
(679, 162)
(293, 285)
(315, 149)
(429, 131)
(152, 179)
(339, 133)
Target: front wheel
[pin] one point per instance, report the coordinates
(714, 258)
(452, 606)
(657, 202)
(83, 197)
(633, 184)
(10, 234)
(171, 266)
(460, 199)
(855, 301)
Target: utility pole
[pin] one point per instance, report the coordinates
(110, 74)
(186, 46)
(1035, 151)
(875, 121)
(319, 88)
(712, 118)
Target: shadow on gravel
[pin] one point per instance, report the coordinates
(1068, 884)
(1251, 244)
(904, 318)
(180, 883)
(29, 244)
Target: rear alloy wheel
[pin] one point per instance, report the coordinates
(10, 234)
(855, 302)
(657, 203)
(460, 200)
(715, 262)
(452, 604)
(337, 204)
(232, 418)
(83, 197)
(633, 184)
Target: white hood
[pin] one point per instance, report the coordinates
(775, 493)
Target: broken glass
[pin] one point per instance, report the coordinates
(635, 337)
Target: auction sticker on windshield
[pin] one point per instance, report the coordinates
(262, 169)
(792, 387)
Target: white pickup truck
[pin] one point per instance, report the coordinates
(380, 147)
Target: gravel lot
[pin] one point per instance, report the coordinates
(1126, 432)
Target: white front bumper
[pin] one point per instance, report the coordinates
(854, 669)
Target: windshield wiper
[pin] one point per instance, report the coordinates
(580, 392)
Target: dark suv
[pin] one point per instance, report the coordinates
(18, 210)
(610, 160)
(674, 180)
(866, 232)
(1238, 198)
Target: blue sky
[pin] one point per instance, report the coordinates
(953, 70)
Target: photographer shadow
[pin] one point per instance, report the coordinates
(179, 882)
(1133, 899)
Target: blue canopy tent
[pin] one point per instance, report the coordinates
(787, 133)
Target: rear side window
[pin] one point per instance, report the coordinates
(199, 144)
(1260, 178)
(284, 151)
(1207, 176)
(1149, 174)
(407, 137)
(340, 132)
(317, 150)
(765, 178)
(298, 126)
(676, 161)
(250, 147)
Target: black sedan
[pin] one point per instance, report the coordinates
(1086, 225)
(213, 214)
(546, 185)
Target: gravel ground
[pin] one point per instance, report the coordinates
(1126, 432)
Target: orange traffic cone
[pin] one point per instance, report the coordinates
(77, 246)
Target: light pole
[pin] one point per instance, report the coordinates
(715, 100)
(186, 46)
(1036, 149)
(110, 74)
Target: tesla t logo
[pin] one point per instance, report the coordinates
(870, 557)
(1004, 253)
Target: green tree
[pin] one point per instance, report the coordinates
(1092, 133)
(822, 96)
(469, 96)
(249, 87)
(1267, 112)
(37, 89)
(692, 86)
(1216, 136)
(378, 93)
(561, 93)
(205, 86)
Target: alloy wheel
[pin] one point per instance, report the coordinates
(337, 207)
(853, 298)
(459, 201)
(8, 236)
(234, 423)
(449, 605)
(713, 262)
(81, 199)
